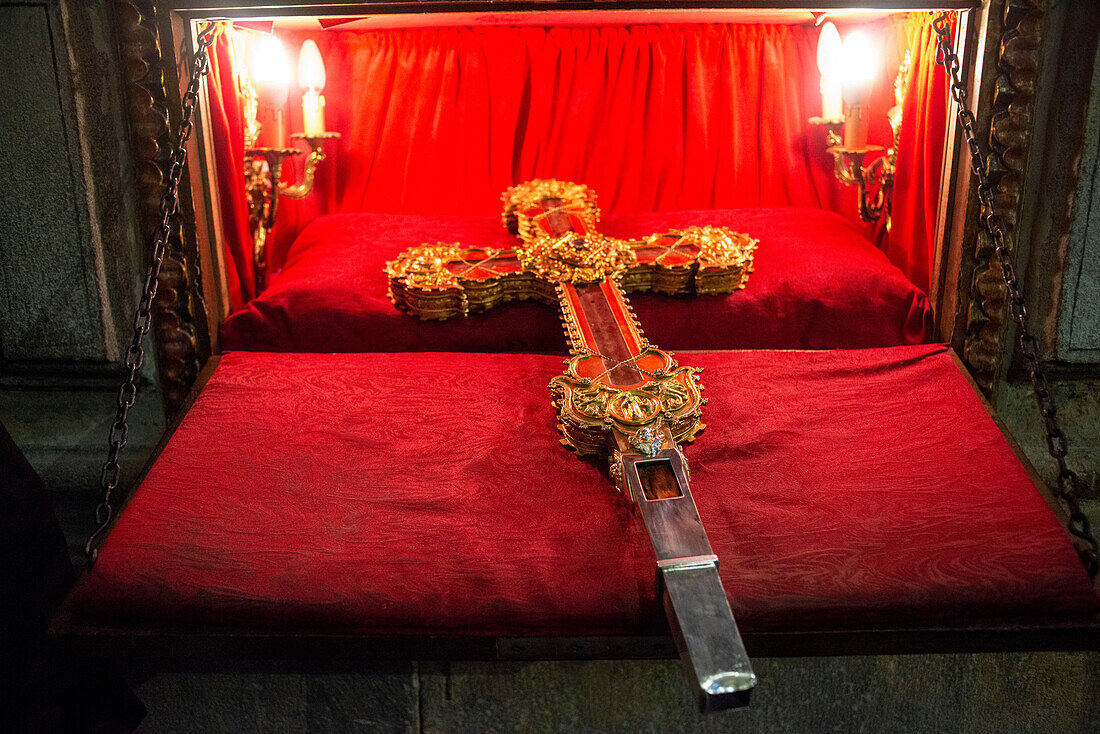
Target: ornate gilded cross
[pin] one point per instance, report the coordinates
(620, 396)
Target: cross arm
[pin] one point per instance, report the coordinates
(443, 280)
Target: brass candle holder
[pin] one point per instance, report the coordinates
(869, 167)
(874, 177)
(263, 187)
(832, 129)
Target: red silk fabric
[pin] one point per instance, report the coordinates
(428, 493)
(227, 133)
(818, 284)
(652, 117)
(910, 242)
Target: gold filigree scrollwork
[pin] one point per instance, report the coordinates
(589, 408)
(523, 205)
(573, 258)
(615, 469)
(634, 407)
(720, 247)
(724, 259)
(423, 283)
(425, 267)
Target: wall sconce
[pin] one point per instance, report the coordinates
(847, 74)
(264, 87)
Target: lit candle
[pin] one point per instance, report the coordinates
(271, 74)
(311, 78)
(858, 73)
(855, 127)
(829, 49)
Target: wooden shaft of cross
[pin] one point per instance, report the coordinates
(620, 396)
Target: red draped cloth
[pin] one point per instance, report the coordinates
(818, 284)
(652, 117)
(428, 494)
(227, 131)
(921, 148)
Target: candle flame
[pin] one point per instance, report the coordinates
(859, 67)
(829, 51)
(271, 71)
(859, 58)
(311, 67)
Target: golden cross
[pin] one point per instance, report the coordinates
(620, 396)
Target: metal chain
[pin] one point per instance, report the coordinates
(1057, 445)
(135, 354)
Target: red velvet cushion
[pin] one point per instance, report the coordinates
(818, 284)
(428, 492)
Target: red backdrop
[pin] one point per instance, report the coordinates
(653, 117)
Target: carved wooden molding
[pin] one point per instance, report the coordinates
(988, 324)
(178, 313)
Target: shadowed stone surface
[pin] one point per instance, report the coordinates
(63, 434)
(69, 259)
(1079, 323)
(1048, 692)
(1079, 414)
(49, 305)
(384, 701)
(1022, 692)
(1078, 404)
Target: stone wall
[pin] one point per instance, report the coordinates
(70, 260)
(68, 250)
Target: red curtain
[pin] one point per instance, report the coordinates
(227, 128)
(910, 244)
(652, 117)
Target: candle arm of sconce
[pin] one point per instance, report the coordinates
(303, 188)
(259, 257)
(263, 189)
(879, 173)
(316, 156)
(845, 167)
(875, 179)
(870, 203)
